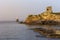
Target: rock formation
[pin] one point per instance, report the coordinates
(47, 15)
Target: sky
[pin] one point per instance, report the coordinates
(10, 9)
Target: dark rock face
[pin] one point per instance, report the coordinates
(49, 22)
(21, 22)
(45, 22)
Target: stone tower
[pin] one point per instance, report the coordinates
(49, 9)
(17, 20)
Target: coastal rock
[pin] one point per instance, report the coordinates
(48, 16)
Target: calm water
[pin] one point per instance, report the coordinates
(15, 31)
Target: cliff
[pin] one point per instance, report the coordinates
(44, 16)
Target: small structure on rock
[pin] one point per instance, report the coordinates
(17, 20)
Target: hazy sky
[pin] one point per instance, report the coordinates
(10, 9)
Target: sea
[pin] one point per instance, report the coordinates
(11, 30)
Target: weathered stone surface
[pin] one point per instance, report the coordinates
(47, 16)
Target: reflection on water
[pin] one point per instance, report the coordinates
(15, 31)
(37, 28)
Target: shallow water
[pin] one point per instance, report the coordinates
(10, 30)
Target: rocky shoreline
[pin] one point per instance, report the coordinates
(50, 22)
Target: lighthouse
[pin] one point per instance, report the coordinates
(17, 20)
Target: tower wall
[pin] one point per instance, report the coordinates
(49, 9)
